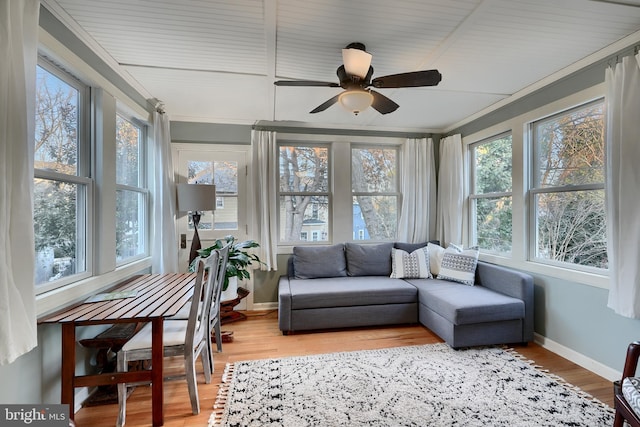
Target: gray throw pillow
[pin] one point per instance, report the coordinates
(368, 260)
(312, 262)
(410, 247)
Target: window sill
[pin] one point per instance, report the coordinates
(56, 299)
(585, 278)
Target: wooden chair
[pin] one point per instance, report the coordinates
(188, 338)
(214, 313)
(624, 411)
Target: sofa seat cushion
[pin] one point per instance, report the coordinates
(461, 304)
(350, 291)
(631, 393)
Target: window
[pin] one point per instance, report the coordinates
(62, 180)
(375, 193)
(131, 192)
(567, 191)
(304, 192)
(224, 174)
(490, 194)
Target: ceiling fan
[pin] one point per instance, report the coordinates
(355, 78)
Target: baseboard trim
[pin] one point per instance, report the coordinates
(80, 396)
(265, 306)
(578, 358)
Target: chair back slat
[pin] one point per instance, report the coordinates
(197, 324)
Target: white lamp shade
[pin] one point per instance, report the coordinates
(196, 197)
(356, 62)
(356, 100)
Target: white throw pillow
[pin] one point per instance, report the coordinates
(414, 265)
(459, 265)
(436, 252)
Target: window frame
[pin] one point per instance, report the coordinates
(82, 179)
(473, 195)
(535, 189)
(396, 193)
(328, 193)
(142, 188)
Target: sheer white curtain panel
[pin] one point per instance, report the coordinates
(622, 152)
(19, 53)
(418, 186)
(163, 249)
(450, 191)
(265, 161)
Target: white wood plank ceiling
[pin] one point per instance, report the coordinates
(216, 61)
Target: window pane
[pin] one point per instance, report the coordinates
(373, 170)
(59, 229)
(375, 217)
(127, 153)
(130, 224)
(571, 227)
(493, 223)
(200, 172)
(493, 163)
(226, 177)
(304, 216)
(570, 149)
(57, 120)
(226, 214)
(304, 169)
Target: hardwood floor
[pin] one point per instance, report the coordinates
(258, 337)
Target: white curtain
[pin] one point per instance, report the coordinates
(622, 147)
(164, 246)
(450, 191)
(418, 185)
(18, 50)
(265, 161)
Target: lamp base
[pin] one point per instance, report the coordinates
(195, 243)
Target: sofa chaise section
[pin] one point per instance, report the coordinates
(498, 309)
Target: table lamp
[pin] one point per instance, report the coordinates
(195, 198)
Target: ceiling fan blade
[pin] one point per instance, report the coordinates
(325, 105)
(413, 79)
(383, 104)
(305, 83)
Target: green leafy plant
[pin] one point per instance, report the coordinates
(239, 258)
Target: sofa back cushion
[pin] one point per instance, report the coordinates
(312, 262)
(368, 260)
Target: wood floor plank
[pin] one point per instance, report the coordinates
(258, 337)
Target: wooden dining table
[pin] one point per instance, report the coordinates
(142, 298)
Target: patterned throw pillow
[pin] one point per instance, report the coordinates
(459, 265)
(414, 265)
(631, 392)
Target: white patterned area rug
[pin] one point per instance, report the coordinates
(428, 385)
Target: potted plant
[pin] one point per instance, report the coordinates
(237, 265)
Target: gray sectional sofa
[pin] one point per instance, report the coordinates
(349, 285)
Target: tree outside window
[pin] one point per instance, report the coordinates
(375, 192)
(304, 192)
(491, 194)
(568, 188)
(61, 179)
(131, 192)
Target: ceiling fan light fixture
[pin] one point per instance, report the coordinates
(356, 100)
(356, 62)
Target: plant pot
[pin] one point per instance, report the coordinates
(232, 290)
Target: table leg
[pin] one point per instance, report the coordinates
(68, 366)
(157, 377)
